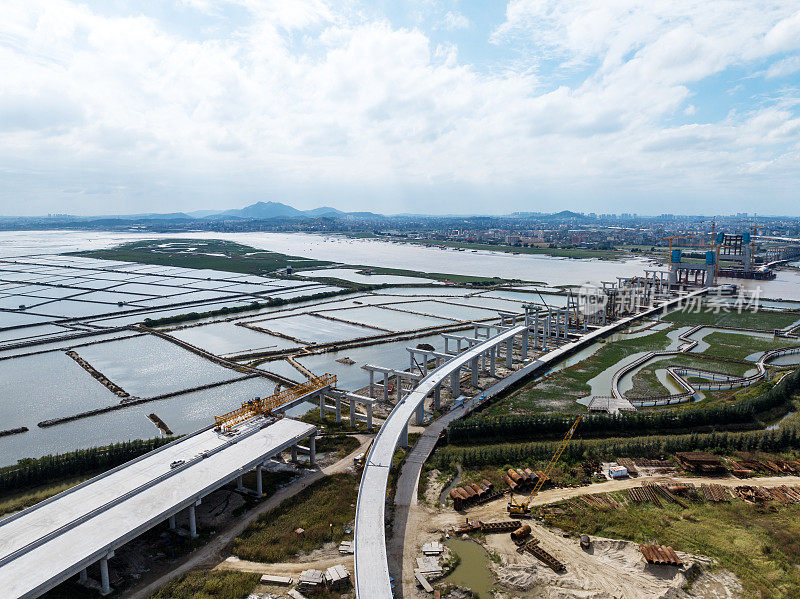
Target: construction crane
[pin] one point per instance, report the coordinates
(670, 238)
(264, 406)
(524, 508)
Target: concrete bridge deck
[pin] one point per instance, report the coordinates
(371, 568)
(50, 542)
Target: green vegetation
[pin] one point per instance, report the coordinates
(557, 392)
(13, 501)
(321, 510)
(581, 253)
(646, 383)
(762, 321)
(29, 473)
(337, 445)
(653, 446)
(213, 254)
(213, 584)
(443, 277)
(751, 411)
(737, 346)
(758, 543)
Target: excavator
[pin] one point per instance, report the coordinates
(523, 508)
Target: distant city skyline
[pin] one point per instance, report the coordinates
(430, 107)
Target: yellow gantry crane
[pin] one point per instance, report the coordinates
(524, 508)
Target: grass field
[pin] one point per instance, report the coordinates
(646, 383)
(558, 391)
(321, 510)
(215, 584)
(214, 254)
(763, 321)
(443, 277)
(19, 500)
(737, 346)
(557, 252)
(758, 543)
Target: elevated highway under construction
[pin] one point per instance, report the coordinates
(372, 579)
(59, 538)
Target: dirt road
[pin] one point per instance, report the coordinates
(210, 554)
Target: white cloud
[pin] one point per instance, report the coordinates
(455, 20)
(784, 68)
(308, 96)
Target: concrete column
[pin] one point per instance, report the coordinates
(437, 397)
(322, 406)
(105, 585)
(398, 381)
(192, 522)
(404, 436)
(420, 413)
(369, 416)
(259, 481)
(386, 386)
(473, 364)
(455, 383)
(312, 450)
(294, 453)
(352, 413)
(171, 521)
(239, 484)
(525, 344)
(83, 576)
(371, 384)
(510, 353)
(446, 345)
(338, 403)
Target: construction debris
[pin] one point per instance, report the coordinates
(277, 580)
(346, 548)
(661, 555)
(337, 577)
(534, 549)
(432, 548)
(701, 462)
(310, 581)
(428, 566)
(423, 582)
(715, 492)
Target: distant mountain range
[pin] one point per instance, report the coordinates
(257, 211)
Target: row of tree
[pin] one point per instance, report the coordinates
(32, 472)
(744, 413)
(653, 446)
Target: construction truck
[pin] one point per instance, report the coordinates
(360, 459)
(523, 509)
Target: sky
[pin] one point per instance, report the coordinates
(392, 106)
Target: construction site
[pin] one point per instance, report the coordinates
(501, 433)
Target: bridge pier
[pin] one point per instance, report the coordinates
(239, 483)
(510, 353)
(353, 412)
(322, 406)
(492, 359)
(193, 520)
(455, 383)
(420, 413)
(404, 436)
(437, 391)
(369, 416)
(83, 577)
(294, 453)
(473, 366)
(312, 450)
(105, 585)
(171, 522)
(338, 403)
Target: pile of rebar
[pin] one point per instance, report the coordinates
(715, 492)
(534, 549)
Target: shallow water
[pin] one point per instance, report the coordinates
(473, 571)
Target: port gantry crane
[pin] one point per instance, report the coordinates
(524, 508)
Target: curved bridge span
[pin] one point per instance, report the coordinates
(371, 567)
